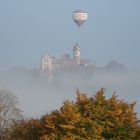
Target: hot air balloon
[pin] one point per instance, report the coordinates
(79, 17)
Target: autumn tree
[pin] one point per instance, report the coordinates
(92, 118)
(9, 111)
(138, 131)
(25, 129)
(87, 118)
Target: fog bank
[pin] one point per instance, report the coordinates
(38, 96)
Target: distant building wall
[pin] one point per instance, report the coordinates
(46, 63)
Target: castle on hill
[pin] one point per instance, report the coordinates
(73, 69)
(50, 63)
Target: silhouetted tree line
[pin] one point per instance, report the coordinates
(87, 118)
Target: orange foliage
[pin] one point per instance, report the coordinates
(88, 118)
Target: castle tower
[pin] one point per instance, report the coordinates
(76, 53)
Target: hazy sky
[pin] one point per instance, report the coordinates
(30, 28)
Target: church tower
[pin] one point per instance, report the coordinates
(76, 53)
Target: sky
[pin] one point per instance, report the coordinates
(32, 28)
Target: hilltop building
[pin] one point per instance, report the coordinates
(74, 69)
(50, 63)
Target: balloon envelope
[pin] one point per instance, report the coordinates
(79, 17)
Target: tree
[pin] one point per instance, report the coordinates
(9, 111)
(25, 130)
(93, 117)
(88, 118)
